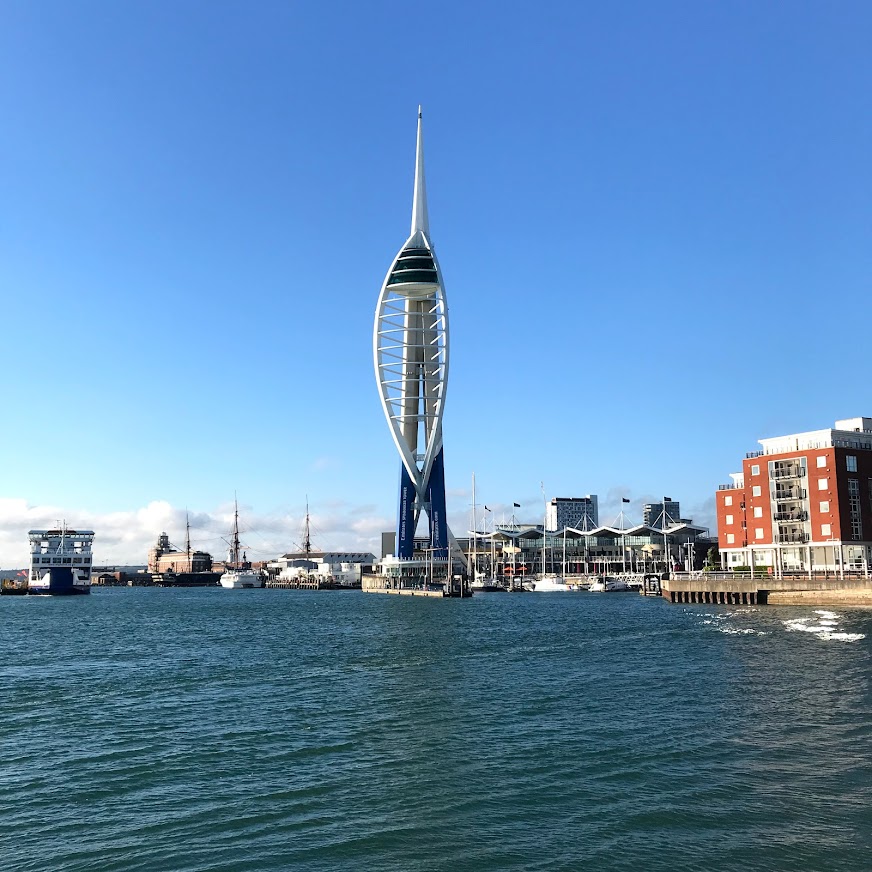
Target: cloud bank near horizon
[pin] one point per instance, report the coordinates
(124, 538)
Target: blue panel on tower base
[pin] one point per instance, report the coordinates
(436, 498)
(406, 516)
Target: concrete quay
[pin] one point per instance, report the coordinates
(735, 589)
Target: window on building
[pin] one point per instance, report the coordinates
(822, 461)
(758, 533)
(823, 484)
(756, 491)
(851, 461)
(728, 519)
(826, 530)
(730, 538)
(755, 469)
(758, 511)
(825, 505)
(728, 501)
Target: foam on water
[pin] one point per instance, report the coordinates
(825, 628)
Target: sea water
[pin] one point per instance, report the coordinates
(209, 729)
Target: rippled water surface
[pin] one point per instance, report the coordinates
(270, 730)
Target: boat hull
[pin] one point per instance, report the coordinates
(59, 581)
(550, 585)
(187, 579)
(241, 580)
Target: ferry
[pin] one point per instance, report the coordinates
(60, 561)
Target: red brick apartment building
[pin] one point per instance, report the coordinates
(802, 504)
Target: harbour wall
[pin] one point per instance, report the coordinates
(815, 591)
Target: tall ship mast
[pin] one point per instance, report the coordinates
(238, 573)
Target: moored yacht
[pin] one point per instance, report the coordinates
(487, 585)
(609, 584)
(234, 578)
(550, 584)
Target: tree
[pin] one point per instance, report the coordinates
(713, 558)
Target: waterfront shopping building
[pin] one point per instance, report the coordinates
(801, 504)
(516, 551)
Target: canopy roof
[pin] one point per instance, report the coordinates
(603, 531)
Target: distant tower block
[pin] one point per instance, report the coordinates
(410, 350)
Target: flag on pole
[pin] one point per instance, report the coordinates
(624, 500)
(517, 505)
(486, 509)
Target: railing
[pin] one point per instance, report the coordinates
(788, 472)
(752, 454)
(791, 538)
(790, 516)
(794, 494)
(727, 487)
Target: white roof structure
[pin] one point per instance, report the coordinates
(604, 530)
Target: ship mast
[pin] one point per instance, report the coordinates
(188, 538)
(307, 542)
(234, 548)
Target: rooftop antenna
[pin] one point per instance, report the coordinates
(420, 220)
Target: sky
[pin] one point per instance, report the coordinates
(653, 221)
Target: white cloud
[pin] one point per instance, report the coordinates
(124, 538)
(320, 464)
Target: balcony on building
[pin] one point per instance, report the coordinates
(790, 470)
(795, 516)
(786, 495)
(796, 538)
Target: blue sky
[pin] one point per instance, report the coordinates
(653, 220)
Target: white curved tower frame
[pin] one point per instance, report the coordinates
(410, 348)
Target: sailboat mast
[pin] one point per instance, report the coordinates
(544, 525)
(493, 558)
(474, 559)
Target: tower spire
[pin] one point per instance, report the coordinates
(420, 220)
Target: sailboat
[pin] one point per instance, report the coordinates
(547, 582)
(238, 574)
(480, 583)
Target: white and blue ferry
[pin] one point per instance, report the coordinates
(60, 561)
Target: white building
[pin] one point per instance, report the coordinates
(340, 567)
